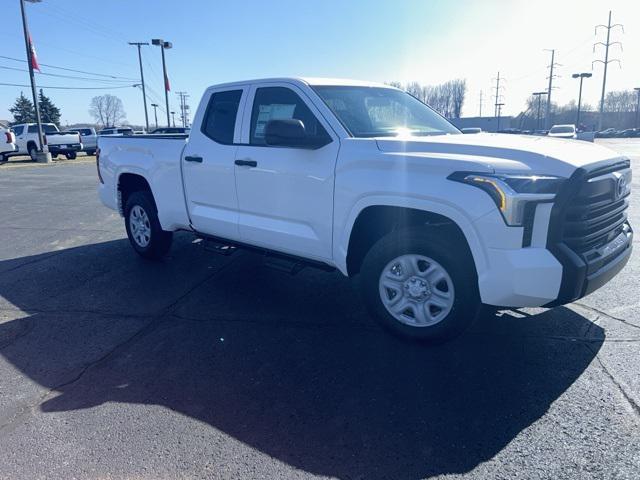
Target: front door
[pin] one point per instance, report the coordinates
(285, 194)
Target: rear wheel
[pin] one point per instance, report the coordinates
(143, 227)
(33, 152)
(419, 284)
(3, 158)
(70, 155)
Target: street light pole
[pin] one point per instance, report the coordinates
(27, 42)
(164, 45)
(144, 95)
(173, 119)
(581, 76)
(155, 112)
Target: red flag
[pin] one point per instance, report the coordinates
(167, 87)
(34, 57)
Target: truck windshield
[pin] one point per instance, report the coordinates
(382, 112)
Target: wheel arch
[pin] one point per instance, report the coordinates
(128, 183)
(371, 221)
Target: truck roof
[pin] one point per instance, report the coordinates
(306, 81)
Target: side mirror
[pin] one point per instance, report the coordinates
(290, 133)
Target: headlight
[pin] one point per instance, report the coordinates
(511, 193)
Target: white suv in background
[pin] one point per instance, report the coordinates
(563, 131)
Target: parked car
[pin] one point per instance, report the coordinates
(366, 179)
(171, 130)
(471, 130)
(7, 143)
(59, 143)
(89, 139)
(563, 131)
(511, 131)
(117, 131)
(630, 133)
(607, 133)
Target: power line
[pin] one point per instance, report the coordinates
(65, 76)
(69, 69)
(66, 88)
(606, 60)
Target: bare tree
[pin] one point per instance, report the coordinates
(447, 98)
(107, 110)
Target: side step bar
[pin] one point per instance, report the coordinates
(275, 260)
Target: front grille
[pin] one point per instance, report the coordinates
(596, 212)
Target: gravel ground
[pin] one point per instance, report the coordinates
(205, 366)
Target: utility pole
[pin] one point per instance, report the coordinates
(637, 89)
(173, 118)
(497, 95)
(581, 76)
(480, 104)
(538, 94)
(551, 77)
(182, 95)
(606, 61)
(499, 107)
(164, 45)
(144, 94)
(43, 152)
(155, 112)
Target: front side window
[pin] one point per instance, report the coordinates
(382, 112)
(220, 119)
(280, 103)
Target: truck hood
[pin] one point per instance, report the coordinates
(504, 153)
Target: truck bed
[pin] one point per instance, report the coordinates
(158, 157)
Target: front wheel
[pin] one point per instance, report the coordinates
(70, 155)
(419, 284)
(143, 227)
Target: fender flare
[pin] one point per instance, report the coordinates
(454, 213)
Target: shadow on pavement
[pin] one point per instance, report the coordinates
(340, 399)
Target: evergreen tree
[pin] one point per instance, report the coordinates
(49, 113)
(22, 110)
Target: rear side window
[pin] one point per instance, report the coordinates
(220, 119)
(280, 103)
(18, 130)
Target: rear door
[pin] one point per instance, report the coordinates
(285, 194)
(208, 163)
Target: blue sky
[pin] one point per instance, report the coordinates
(216, 41)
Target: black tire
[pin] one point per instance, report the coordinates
(453, 256)
(70, 155)
(3, 158)
(54, 156)
(90, 152)
(159, 240)
(33, 152)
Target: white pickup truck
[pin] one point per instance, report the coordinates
(59, 143)
(366, 179)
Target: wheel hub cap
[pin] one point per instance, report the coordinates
(416, 290)
(140, 226)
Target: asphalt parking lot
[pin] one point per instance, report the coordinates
(206, 366)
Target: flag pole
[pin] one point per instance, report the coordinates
(30, 57)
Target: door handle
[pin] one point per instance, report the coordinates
(195, 158)
(246, 163)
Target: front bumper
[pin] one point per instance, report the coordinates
(581, 277)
